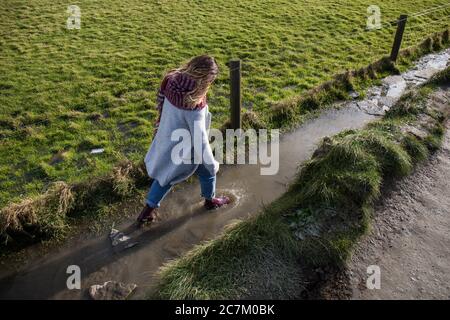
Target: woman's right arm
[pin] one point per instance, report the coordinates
(160, 97)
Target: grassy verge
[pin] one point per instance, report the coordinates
(50, 214)
(317, 222)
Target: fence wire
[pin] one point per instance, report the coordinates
(353, 34)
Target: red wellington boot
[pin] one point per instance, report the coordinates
(216, 203)
(148, 214)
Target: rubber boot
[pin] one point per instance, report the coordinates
(147, 215)
(216, 203)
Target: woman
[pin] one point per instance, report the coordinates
(182, 105)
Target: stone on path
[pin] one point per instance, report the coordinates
(426, 73)
(120, 241)
(419, 133)
(371, 107)
(396, 86)
(111, 290)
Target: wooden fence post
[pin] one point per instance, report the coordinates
(235, 96)
(401, 23)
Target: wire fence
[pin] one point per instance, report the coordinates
(350, 34)
(394, 23)
(430, 23)
(421, 13)
(411, 38)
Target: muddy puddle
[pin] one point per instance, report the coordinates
(183, 221)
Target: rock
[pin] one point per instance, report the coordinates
(387, 101)
(313, 230)
(371, 107)
(299, 235)
(353, 94)
(392, 80)
(440, 63)
(120, 241)
(425, 121)
(396, 89)
(426, 73)
(419, 133)
(323, 148)
(97, 151)
(440, 97)
(111, 290)
(374, 91)
(440, 102)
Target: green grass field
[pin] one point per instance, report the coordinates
(64, 92)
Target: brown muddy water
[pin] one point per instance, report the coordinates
(183, 222)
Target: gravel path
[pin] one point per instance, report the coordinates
(410, 238)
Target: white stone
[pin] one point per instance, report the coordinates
(111, 290)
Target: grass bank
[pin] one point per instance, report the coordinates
(51, 215)
(316, 223)
(64, 92)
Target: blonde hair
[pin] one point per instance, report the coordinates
(203, 69)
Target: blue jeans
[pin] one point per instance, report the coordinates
(207, 185)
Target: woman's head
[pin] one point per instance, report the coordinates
(204, 70)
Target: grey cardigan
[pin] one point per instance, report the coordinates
(158, 161)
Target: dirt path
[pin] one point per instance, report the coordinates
(410, 240)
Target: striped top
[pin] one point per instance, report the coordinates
(174, 88)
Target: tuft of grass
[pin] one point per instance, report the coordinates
(416, 149)
(434, 140)
(411, 104)
(347, 172)
(442, 77)
(285, 113)
(48, 215)
(393, 159)
(44, 217)
(251, 120)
